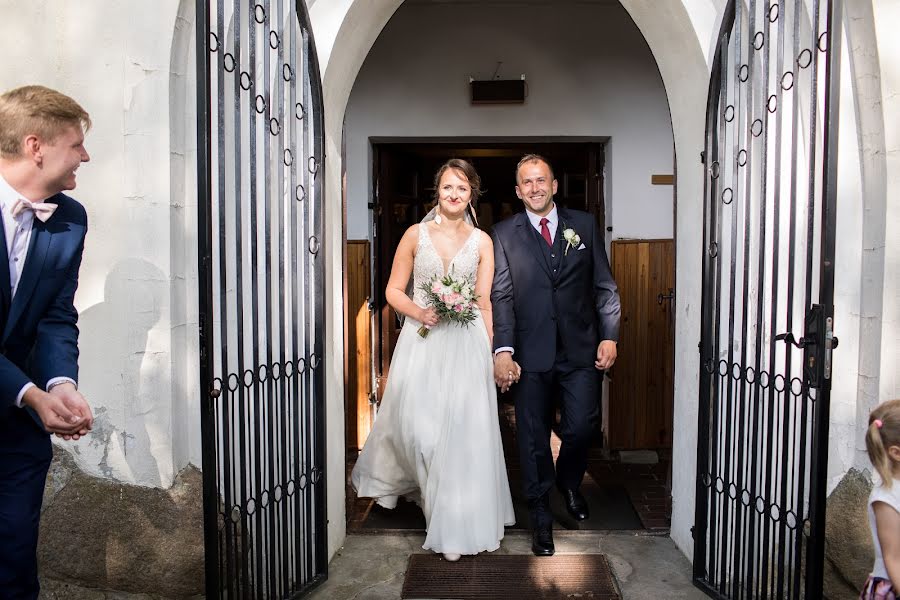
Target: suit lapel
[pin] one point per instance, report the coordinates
(34, 264)
(523, 227)
(565, 222)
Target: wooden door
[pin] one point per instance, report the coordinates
(358, 373)
(641, 389)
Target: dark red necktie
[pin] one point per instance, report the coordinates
(545, 231)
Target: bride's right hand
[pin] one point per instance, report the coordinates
(429, 317)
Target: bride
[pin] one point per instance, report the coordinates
(437, 436)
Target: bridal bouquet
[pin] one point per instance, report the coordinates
(453, 299)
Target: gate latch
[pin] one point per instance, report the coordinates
(817, 344)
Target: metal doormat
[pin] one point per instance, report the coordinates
(513, 577)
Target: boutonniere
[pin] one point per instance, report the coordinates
(572, 239)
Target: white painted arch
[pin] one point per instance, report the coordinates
(346, 30)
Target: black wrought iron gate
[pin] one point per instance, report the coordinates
(260, 153)
(768, 279)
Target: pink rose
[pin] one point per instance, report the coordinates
(436, 287)
(458, 308)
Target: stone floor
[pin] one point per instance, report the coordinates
(372, 567)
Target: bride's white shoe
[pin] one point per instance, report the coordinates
(450, 557)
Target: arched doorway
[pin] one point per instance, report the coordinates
(672, 39)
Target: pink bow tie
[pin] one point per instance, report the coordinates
(41, 210)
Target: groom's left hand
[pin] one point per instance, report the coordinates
(606, 355)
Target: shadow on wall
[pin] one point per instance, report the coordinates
(120, 376)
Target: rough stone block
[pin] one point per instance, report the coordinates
(848, 542)
(106, 535)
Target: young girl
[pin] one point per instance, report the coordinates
(883, 445)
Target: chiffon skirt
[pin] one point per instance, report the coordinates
(436, 439)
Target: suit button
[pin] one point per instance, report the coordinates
(552, 256)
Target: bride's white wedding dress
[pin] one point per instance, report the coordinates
(436, 439)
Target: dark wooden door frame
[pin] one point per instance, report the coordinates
(445, 146)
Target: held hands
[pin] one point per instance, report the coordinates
(62, 410)
(506, 371)
(606, 355)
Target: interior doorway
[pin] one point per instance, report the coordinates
(402, 192)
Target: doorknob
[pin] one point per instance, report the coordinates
(670, 296)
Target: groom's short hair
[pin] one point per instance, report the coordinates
(534, 158)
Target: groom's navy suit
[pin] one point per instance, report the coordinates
(38, 342)
(553, 306)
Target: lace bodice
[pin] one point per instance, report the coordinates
(428, 264)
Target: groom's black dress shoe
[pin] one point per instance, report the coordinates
(575, 504)
(542, 541)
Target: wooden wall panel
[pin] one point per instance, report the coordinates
(641, 390)
(359, 345)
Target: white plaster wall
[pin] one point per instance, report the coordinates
(591, 74)
(114, 58)
(886, 16)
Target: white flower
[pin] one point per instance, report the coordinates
(572, 239)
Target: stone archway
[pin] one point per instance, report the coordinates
(673, 41)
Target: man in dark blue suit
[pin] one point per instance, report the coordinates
(556, 309)
(41, 147)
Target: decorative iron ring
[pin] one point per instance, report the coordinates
(744, 73)
(276, 371)
(245, 76)
(787, 80)
(822, 44)
(723, 368)
(248, 372)
(228, 56)
(314, 360)
(774, 8)
(287, 73)
(729, 113)
(742, 158)
(232, 387)
(274, 40)
(759, 40)
(727, 196)
(256, 14)
(300, 193)
(289, 369)
(714, 170)
(213, 38)
(756, 128)
(288, 157)
(260, 104)
(313, 165)
(302, 361)
(804, 57)
(772, 103)
(314, 245)
(300, 111)
(274, 126)
(713, 249)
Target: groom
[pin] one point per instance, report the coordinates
(556, 322)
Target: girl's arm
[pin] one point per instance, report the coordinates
(887, 523)
(484, 278)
